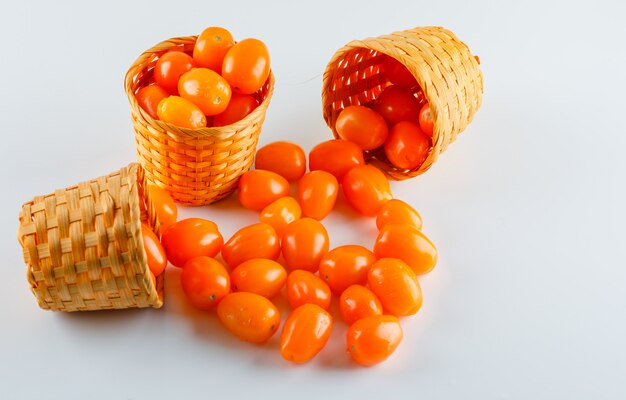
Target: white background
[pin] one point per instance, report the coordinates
(527, 207)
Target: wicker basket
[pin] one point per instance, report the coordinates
(83, 247)
(196, 166)
(445, 69)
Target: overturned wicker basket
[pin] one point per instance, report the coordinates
(445, 69)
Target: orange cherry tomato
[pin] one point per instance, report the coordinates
(398, 212)
(246, 66)
(305, 333)
(357, 302)
(366, 189)
(372, 340)
(156, 259)
(239, 106)
(426, 120)
(260, 276)
(397, 73)
(250, 317)
(317, 194)
(206, 89)
(190, 238)
(258, 188)
(181, 112)
(149, 98)
(254, 241)
(304, 287)
(165, 207)
(285, 158)
(396, 104)
(304, 243)
(363, 126)
(169, 67)
(346, 265)
(396, 285)
(211, 47)
(281, 213)
(336, 157)
(408, 244)
(407, 146)
(205, 282)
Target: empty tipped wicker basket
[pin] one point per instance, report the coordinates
(196, 166)
(447, 72)
(83, 246)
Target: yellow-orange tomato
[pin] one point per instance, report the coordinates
(259, 188)
(190, 238)
(358, 302)
(398, 212)
(211, 47)
(304, 243)
(181, 112)
(281, 213)
(336, 157)
(304, 287)
(346, 265)
(363, 126)
(372, 340)
(206, 89)
(366, 189)
(254, 241)
(156, 259)
(246, 66)
(250, 317)
(164, 205)
(149, 98)
(205, 282)
(260, 276)
(396, 286)
(317, 194)
(285, 158)
(305, 333)
(408, 244)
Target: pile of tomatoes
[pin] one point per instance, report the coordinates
(217, 85)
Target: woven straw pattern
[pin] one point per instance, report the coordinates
(83, 246)
(196, 166)
(445, 69)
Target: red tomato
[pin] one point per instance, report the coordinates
(254, 241)
(206, 89)
(396, 104)
(250, 317)
(149, 98)
(372, 340)
(259, 188)
(285, 158)
(366, 189)
(395, 284)
(305, 333)
(397, 212)
(181, 112)
(317, 194)
(304, 243)
(357, 302)
(426, 120)
(211, 47)
(190, 238)
(169, 67)
(260, 276)
(205, 282)
(246, 66)
(304, 287)
(397, 73)
(239, 106)
(346, 265)
(164, 205)
(336, 157)
(156, 259)
(408, 244)
(363, 126)
(281, 213)
(407, 146)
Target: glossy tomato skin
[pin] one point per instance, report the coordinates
(408, 244)
(372, 340)
(346, 265)
(181, 112)
(281, 213)
(205, 282)
(363, 126)
(206, 89)
(426, 120)
(407, 146)
(190, 238)
(211, 47)
(239, 106)
(169, 67)
(258, 275)
(304, 243)
(336, 157)
(357, 302)
(259, 188)
(156, 258)
(305, 333)
(285, 158)
(164, 205)
(397, 73)
(317, 194)
(254, 241)
(304, 287)
(250, 317)
(396, 104)
(149, 98)
(366, 189)
(397, 212)
(396, 286)
(246, 66)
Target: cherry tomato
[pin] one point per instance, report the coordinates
(190, 238)
(317, 194)
(346, 265)
(357, 302)
(156, 259)
(149, 98)
(305, 333)
(397, 73)
(164, 205)
(239, 106)
(397, 212)
(246, 66)
(396, 104)
(205, 282)
(254, 241)
(407, 146)
(211, 47)
(363, 126)
(260, 276)
(396, 286)
(285, 158)
(281, 213)
(372, 340)
(366, 189)
(250, 317)
(336, 157)
(181, 112)
(426, 120)
(169, 67)
(206, 89)
(258, 188)
(408, 244)
(304, 243)
(304, 287)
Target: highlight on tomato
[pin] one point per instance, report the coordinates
(398, 212)
(149, 97)
(261, 276)
(357, 302)
(249, 316)
(181, 112)
(396, 286)
(304, 287)
(206, 89)
(281, 213)
(246, 66)
(304, 243)
(317, 194)
(373, 339)
(284, 158)
(366, 189)
(254, 241)
(190, 238)
(211, 46)
(336, 157)
(407, 244)
(407, 146)
(205, 282)
(164, 205)
(363, 126)
(169, 67)
(305, 333)
(344, 266)
(156, 258)
(259, 188)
